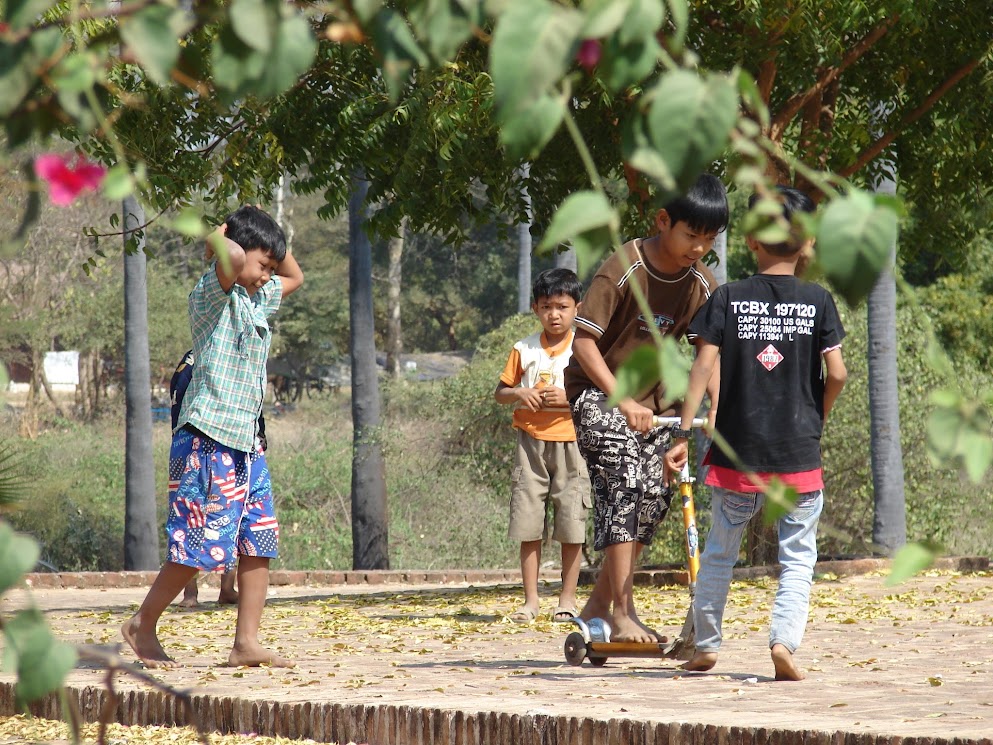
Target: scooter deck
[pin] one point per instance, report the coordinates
(592, 642)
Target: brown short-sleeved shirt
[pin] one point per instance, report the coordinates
(610, 312)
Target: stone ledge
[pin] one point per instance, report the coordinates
(385, 724)
(655, 577)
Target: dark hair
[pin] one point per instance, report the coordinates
(704, 207)
(792, 201)
(251, 228)
(558, 281)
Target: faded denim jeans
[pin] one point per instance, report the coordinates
(797, 556)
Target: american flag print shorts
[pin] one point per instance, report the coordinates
(220, 504)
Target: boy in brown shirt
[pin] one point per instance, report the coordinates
(623, 452)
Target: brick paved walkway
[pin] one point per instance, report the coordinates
(407, 663)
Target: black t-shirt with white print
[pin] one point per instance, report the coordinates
(772, 331)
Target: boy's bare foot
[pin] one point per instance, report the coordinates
(782, 660)
(700, 662)
(627, 629)
(227, 597)
(656, 636)
(255, 655)
(146, 645)
(189, 601)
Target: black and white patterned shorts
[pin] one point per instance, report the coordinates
(627, 471)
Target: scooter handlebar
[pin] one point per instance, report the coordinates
(674, 421)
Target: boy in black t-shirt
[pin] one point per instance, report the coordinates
(771, 331)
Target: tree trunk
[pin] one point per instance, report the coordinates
(141, 539)
(524, 249)
(47, 387)
(567, 260)
(370, 520)
(394, 332)
(889, 522)
(28, 425)
(720, 271)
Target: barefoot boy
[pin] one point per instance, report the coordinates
(215, 512)
(547, 466)
(623, 452)
(775, 395)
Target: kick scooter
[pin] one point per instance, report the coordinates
(592, 641)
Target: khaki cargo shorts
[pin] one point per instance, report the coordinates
(548, 472)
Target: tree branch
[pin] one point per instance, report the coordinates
(797, 102)
(867, 155)
(92, 14)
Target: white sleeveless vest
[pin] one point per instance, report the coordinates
(537, 365)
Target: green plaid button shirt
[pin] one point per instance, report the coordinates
(231, 340)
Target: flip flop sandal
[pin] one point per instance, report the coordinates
(564, 615)
(523, 615)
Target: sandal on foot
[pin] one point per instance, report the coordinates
(523, 615)
(563, 614)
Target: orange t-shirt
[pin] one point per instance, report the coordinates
(533, 363)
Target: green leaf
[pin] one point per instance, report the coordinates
(366, 9)
(675, 368)
(152, 36)
(234, 63)
(16, 76)
(76, 73)
(580, 213)
(254, 21)
(909, 560)
(189, 223)
(748, 89)
(118, 183)
(41, 660)
(855, 240)
(399, 49)
(603, 17)
(533, 46)
(18, 556)
(20, 14)
(641, 21)
(292, 53)
(690, 121)
(780, 500)
(445, 24)
(525, 133)
(624, 65)
(959, 431)
(650, 364)
(638, 373)
(679, 11)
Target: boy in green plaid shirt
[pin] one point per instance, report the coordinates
(218, 517)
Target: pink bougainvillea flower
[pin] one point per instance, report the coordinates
(67, 177)
(589, 54)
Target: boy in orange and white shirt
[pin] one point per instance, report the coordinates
(548, 465)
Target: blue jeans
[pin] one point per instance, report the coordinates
(797, 556)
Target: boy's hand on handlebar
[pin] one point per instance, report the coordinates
(639, 417)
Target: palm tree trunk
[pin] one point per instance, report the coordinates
(394, 329)
(141, 538)
(889, 522)
(524, 249)
(370, 520)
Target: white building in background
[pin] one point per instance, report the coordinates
(61, 369)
